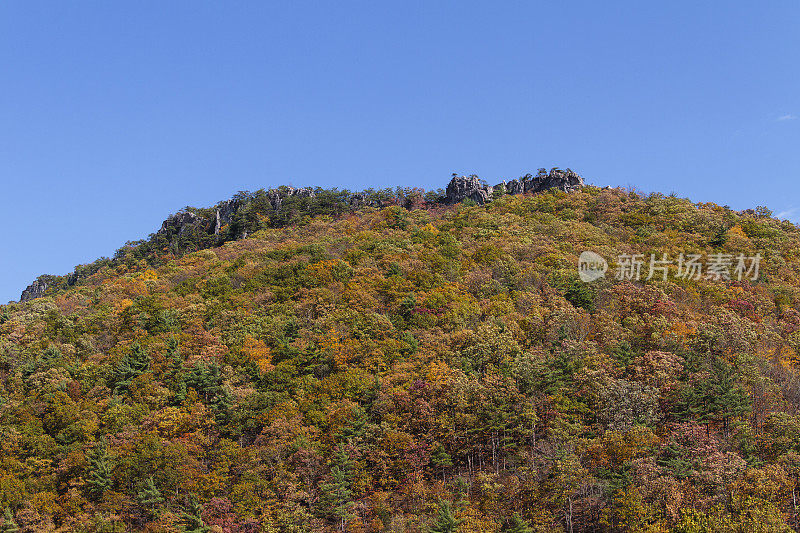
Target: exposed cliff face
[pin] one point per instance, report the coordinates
(224, 213)
(461, 188)
(181, 220)
(194, 229)
(38, 288)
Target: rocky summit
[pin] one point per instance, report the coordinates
(194, 229)
(37, 289)
(472, 188)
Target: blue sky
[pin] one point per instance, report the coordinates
(115, 114)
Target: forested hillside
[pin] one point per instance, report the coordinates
(418, 367)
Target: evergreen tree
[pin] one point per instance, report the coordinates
(9, 525)
(444, 522)
(192, 520)
(173, 355)
(150, 497)
(516, 524)
(728, 398)
(355, 429)
(336, 496)
(174, 377)
(135, 363)
(49, 358)
(441, 458)
(716, 399)
(99, 478)
(207, 381)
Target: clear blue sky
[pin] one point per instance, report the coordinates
(115, 114)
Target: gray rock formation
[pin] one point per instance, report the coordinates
(205, 226)
(181, 220)
(276, 196)
(224, 213)
(461, 188)
(37, 289)
(470, 187)
(304, 192)
(514, 187)
(357, 200)
(564, 180)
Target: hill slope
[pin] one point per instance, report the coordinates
(193, 229)
(393, 369)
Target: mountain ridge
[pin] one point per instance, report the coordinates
(201, 228)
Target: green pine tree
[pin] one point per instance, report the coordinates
(135, 363)
(207, 381)
(356, 427)
(99, 477)
(9, 525)
(192, 520)
(173, 355)
(716, 399)
(727, 398)
(175, 376)
(444, 522)
(336, 496)
(516, 524)
(150, 497)
(441, 458)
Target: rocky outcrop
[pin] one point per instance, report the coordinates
(179, 221)
(462, 188)
(514, 187)
(304, 192)
(224, 212)
(277, 196)
(275, 199)
(38, 288)
(459, 189)
(564, 180)
(193, 229)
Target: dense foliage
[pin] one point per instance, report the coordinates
(422, 369)
(248, 212)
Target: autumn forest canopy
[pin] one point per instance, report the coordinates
(397, 364)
